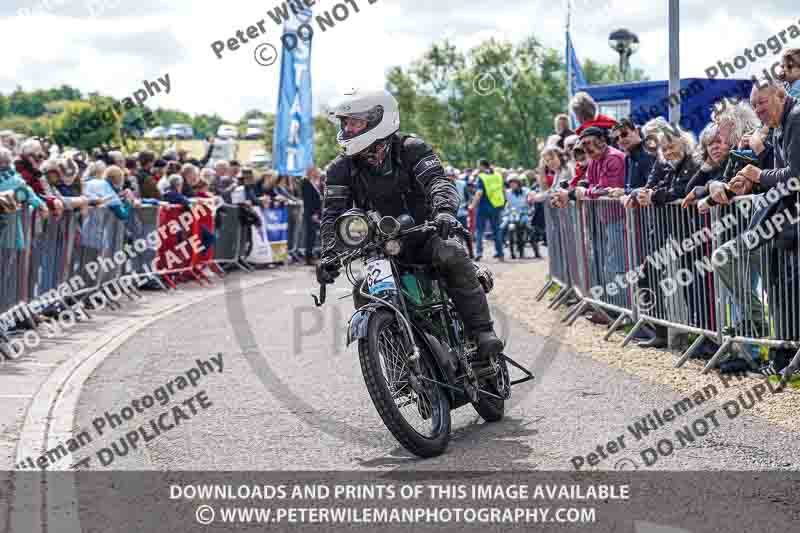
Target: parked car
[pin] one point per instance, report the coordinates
(224, 148)
(256, 123)
(181, 131)
(228, 131)
(261, 160)
(159, 132)
(254, 133)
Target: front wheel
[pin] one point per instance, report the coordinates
(419, 418)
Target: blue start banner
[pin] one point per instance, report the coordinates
(293, 141)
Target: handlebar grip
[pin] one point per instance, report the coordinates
(322, 294)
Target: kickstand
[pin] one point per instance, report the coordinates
(529, 375)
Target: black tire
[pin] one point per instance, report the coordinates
(369, 351)
(492, 409)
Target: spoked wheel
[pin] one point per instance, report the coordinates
(418, 416)
(492, 409)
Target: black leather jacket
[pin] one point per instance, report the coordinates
(416, 185)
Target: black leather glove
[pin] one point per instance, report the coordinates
(446, 223)
(327, 272)
(485, 277)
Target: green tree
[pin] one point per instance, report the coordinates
(495, 101)
(492, 101)
(205, 126)
(5, 109)
(325, 146)
(599, 74)
(252, 114)
(87, 125)
(18, 123)
(167, 117)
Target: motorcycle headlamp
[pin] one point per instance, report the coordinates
(352, 228)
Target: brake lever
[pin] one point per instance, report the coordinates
(322, 294)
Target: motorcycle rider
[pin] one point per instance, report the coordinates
(516, 198)
(398, 174)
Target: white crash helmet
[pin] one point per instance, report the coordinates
(380, 110)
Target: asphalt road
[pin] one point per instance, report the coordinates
(290, 396)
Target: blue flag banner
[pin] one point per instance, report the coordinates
(293, 140)
(574, 68)
(277, 224)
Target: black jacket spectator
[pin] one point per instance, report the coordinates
(254, 192)
(786, 165)
(676, 181)
(659, 174)
(312, 213)
(786, 142)
(312, 203)
(638, 165)
(706, 174)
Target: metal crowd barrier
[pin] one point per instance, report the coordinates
(14, 234)
(665, 266)
(231, 238)
(142, 223)
(601, 242)
(63, 261)
(672, 251)
(102, 235)
(559, 273)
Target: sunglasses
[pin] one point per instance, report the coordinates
(39, 157)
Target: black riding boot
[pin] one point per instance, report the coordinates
(473, 309)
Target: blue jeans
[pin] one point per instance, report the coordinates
(480, 225)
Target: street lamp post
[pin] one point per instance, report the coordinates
(625, 43)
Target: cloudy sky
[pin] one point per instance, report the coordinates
(111, 46)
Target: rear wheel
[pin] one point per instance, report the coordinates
(419, 418)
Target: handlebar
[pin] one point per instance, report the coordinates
(322, 294)
(424, 227)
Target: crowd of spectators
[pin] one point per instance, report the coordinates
(36, 172)
(649, 165)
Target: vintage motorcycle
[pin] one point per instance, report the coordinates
(417, 361)
(517, 233)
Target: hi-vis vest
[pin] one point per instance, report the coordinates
(493, 189)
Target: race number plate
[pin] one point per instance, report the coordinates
(379, 276)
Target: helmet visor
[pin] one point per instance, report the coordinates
(352, 125)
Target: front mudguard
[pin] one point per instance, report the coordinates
(444, 363)
(358, 325)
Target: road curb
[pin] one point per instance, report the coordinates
(51, 416)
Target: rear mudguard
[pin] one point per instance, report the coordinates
(358, 328)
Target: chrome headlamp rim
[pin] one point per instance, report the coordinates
(389, 226)
(345, 231)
